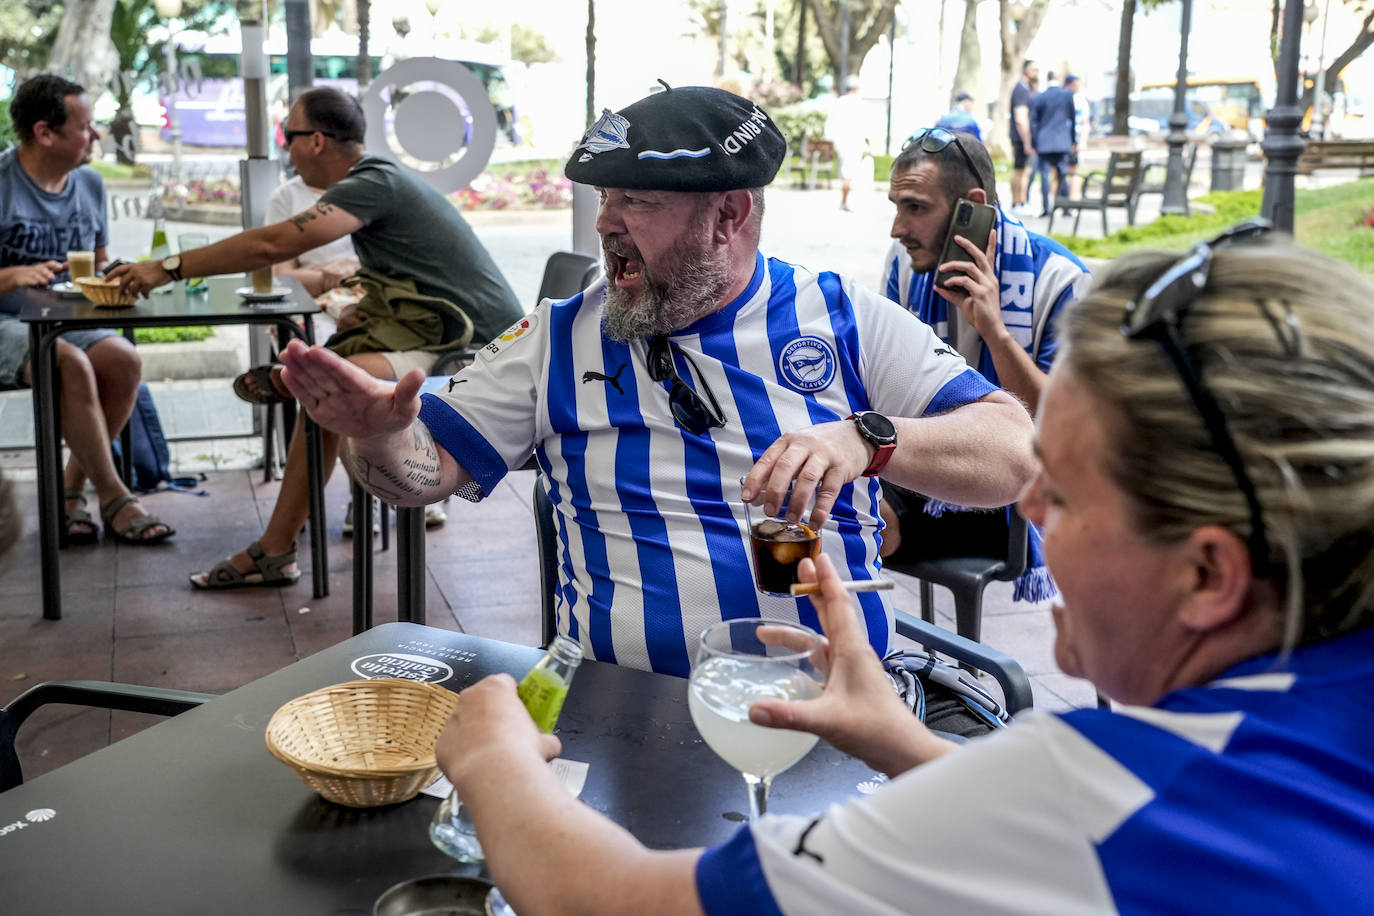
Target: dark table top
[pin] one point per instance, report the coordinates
(219, 304)
(194, 814)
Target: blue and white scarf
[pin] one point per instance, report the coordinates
(1015, 265)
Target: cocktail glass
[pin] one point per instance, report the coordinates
(740, 662)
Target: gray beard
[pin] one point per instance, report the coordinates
(692, 290)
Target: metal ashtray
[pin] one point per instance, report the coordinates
(435, 895)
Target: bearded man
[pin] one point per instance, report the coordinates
(696, 376)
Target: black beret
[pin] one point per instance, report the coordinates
(694, 138)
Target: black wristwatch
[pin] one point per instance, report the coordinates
(173, 266)
(878, 432)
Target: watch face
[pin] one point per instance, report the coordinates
(172, 263)
(877, 426)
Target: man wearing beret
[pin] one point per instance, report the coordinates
(695, 376)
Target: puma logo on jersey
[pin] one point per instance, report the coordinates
(942, 351)
(454, 381)
(612, 380)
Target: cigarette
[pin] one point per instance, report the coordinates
(853, 585)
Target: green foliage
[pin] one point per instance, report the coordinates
(798, 121)
(1329, 220)
(193, 333)
(27, 31)
(530, 46)
(113, 171)
(7, 135)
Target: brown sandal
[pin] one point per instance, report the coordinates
(132, 533)
(267, 571)
(257, 387)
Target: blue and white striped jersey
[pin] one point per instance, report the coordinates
(1054, 279)
(1251, 794)
(652, 534)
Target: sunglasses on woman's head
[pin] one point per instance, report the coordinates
(1158, 313)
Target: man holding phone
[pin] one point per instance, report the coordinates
(953, 245)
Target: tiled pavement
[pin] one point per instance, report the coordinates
(130, 615)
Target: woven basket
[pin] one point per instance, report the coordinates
(363, 743)
(103, 292)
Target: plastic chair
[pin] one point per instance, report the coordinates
(159, 701)
(967, 576)
(1016, 689)
(1118, 187)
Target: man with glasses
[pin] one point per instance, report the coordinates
(696, 375)
(998, 311)
(403, 231)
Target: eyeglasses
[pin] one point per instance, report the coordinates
(290, 135)
(1157, 314)
(934, 139)
(695, 415)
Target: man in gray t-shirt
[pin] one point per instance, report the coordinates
(50, 205)
(400, 227)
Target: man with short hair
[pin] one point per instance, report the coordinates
(404, 232)
(1022, 147)
(960, 117)
(51, 204)
(1005, 303)
(846, 129)
(1054, 130)
(697, 375)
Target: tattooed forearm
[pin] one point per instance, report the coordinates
(379, 481)
(305, 216)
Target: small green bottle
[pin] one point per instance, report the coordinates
(160, 247)
(543, 690)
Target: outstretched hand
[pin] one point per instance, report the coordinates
(858, 712)
(345, 399)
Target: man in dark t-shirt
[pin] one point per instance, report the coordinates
(1021, 147)
(400, 227)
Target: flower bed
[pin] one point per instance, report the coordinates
(540, 189)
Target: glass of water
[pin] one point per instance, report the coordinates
(739, 663)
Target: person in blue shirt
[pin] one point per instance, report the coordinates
(1217, 569)
(50, 204)
(960, 117)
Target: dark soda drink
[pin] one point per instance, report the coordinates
(778, 547)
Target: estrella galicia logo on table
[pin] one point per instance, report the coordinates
(403, 665)
(807, 364)
(36, 816)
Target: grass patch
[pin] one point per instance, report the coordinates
(191, 333)
(1330, 220)
(113, 171)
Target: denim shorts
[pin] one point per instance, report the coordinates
(14, 347)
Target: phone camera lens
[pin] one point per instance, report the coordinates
(965, 214)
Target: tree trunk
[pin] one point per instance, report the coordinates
(799, 77)
(1015, 40)
(867, 23)
(83, 50)
(1121, 108)
(1362, 42)
(968, 74)
(364, 51)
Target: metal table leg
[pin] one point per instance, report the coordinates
(362, 559)
(42, 374)
(410, 564)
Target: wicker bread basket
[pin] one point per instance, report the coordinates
(363, 743)
(103, 292)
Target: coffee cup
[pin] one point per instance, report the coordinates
(262, 279)
(81, 263)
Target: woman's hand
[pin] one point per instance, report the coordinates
(858, 712)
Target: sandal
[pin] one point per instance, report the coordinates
(256, 387)
(269, 571)
(81, 528)
(133, 532)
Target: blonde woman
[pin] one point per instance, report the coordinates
(1206, 492)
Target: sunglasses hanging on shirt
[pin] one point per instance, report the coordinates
(689, 409)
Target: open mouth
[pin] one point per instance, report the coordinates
(626, 271)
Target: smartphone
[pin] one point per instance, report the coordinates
(973, 221)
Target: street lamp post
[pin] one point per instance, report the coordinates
(1282, 145)
(433, 7)
(1175, 192)
(169, 10)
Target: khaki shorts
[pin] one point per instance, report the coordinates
(403, 361)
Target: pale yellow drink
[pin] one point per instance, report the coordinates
(81, 263)
(262, 279)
